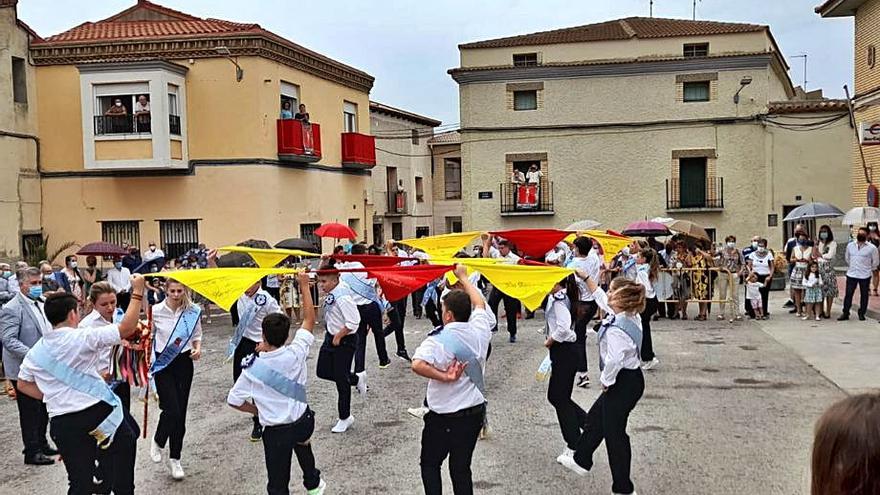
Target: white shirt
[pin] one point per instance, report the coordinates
(340, 310)
(142, 108)
(617, 349)
(445, 398)
(643, 277)
(510, 259)
(119, 279)
(831, 251)
(761, 265)
(862, 259)
(403, 254)
(534, 178)
(266, 305)
(590, 264)
(95, 320)
(358, 299)
(558, 318)
(273, 407)
(812, 280)
(753, 290)
(152, 255)
(79, 348)
(164, 321)
(559, 255)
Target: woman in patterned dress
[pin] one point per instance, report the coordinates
(826, 251)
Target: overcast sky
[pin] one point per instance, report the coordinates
(408, 46)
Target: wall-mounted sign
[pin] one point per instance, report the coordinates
(870, 133)
(484, 194)
(772, 220)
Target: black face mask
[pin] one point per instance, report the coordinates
(861, 237)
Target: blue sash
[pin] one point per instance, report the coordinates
(179, 338)
(87, 384)
(430, 291)
(276, 381)
(628, 327)
(361, 287)
(245, 317)
(463, 354)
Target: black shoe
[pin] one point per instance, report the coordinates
(402, 354)
(792, 311)
(39, 460)
(788, 304)
(49, 451)
(384, 364)
(842, 317)
(512, 339)
(257, 432)
(861, 317)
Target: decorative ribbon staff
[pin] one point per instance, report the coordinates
(147, 342)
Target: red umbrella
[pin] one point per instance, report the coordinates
(101, 249)
(336, 231)
(646, 228)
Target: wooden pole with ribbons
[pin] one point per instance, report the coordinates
(147, 343)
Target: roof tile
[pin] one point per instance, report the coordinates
(807, 106)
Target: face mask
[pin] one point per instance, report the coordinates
(152, 248)
(823, 235)
(73, 264)
(35, 291)
(47, 276)
(762, 249)
(7, 274)
(118, 265)
(801, 242)
(154, 269)
(754, 245)
(118, 103)
(731, 245)
(625, 251)
(872, 228)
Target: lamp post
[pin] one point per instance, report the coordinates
(742, 84)
(239, 72)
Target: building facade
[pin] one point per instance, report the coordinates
(446, 165)
(402, 199)
(160, 126)
(866, 96)
(639, 118)
(19, 143)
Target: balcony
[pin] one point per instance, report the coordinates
(358, 150)
(298, 141)
(106, 125)
(396, 203)
(526, 200)
(695, 195)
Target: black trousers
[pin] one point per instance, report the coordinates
(607, 421)
(585, 312)
(104, 469)
(279, 443)
(647, 343)
(511, 307)
(334, 364)
(397, 319)
(275, 292)
(454, 435)
(122, 300)
(71, 434)
(417, 296)
(33, 420)
(371, 321)
(245, 348)
(851, 283)
(565, 359)
(173, 385)
(432, 310)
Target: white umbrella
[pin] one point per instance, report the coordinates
(861, 215)
(583, 225)
(813, 210)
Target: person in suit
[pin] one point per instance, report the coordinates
(52, 280)
(22, 324)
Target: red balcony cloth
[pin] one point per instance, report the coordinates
(533, 242)
(372, 260)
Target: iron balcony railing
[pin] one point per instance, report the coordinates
(123, 124)
(526, 198)
(683, 194)
(396, 203)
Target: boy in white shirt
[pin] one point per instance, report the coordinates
(62, 370)
(273, 386)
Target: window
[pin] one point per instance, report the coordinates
(525, 100)
(696, 91)
(173, 111)
(307, 232)
(696, 50)
(420, 190)
(423, 232)
(415, 136)
(692, 174)
(349, 115)
(122, 108)
(178, 236)
(452, 178)
(453, 224)
(525, 59)
(397, 231)
(289, 96)
(19, 80)
(31, 245)
(354, 224)
(121, 232)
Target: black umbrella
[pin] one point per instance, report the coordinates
(145, 266)
(296, 243)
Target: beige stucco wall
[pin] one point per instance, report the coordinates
(19, 182)
(411, 161)
(444, 208)
(632, 48)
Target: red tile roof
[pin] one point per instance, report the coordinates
(449, 137)
(106, 31)
(807, 106)
(621, 29)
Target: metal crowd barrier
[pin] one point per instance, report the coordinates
(684, 281)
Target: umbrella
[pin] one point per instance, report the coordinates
(583, 225)
(645, 228)
(336, 231)
(145, 266)
(689, 229)
(861, 215)
(813, 210)
(296, 243)
(101, 249)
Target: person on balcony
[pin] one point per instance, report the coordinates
(142, 114)
(533, 185)
(302, 114)
(117, 109)
(286, 113)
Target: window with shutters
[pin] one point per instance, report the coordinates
(696, 91)
(178, 236)
(121, 232)
(349, 115)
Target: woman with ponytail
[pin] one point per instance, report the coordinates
(647, 273)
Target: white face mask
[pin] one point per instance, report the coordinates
(118, 103)
(731, 245)
(73, 264)
(152, 248)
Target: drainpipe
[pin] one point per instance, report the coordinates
(36, 140)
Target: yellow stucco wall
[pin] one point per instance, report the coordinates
(60, 118)
(131, 149)
(176, 149)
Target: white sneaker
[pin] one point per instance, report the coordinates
(319, 490)
(343, 425)
(155, 451)
(418, 412)
(176, 469)
(362, 382)
(647, 365)
(583, 380)
(566, 452)
(570, 464)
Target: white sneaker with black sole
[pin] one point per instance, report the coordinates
(343, 425)
(653, 363)
(569, 463)
(566, 452)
